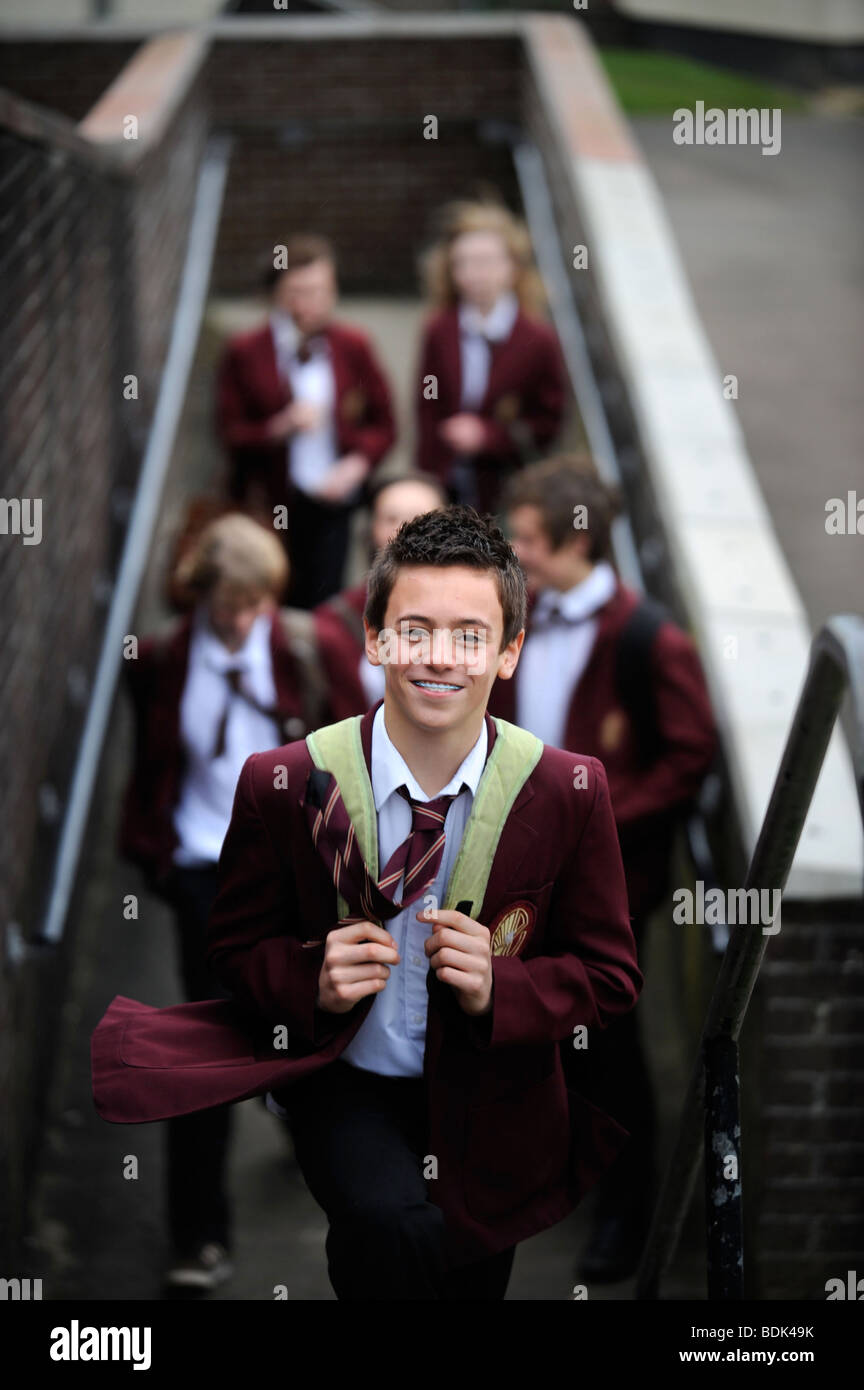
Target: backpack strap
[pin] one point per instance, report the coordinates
(298, 626)
(633, 680)
(515, 753)
(350, 617)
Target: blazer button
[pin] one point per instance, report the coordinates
(294, 727)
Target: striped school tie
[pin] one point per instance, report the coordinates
(415, 863)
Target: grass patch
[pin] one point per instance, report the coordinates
(656, 84)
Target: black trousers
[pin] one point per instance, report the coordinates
(360, 1142)
(317, 543)
(197, 1145)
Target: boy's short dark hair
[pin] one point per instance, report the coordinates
(556, 487)
(455, 535)
(299, 251)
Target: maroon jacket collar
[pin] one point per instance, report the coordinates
(526, 792)
(284, 663)
(498, 365)
(265, 344)
(367, 719)
(612, 616)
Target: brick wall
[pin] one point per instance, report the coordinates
(66, 77)
(330, 137)
(809, 1072)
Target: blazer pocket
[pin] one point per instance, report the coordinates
(514, 923)
(516, 1146)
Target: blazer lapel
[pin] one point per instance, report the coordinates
(451, 345)
(276, 387)
(342, 381)
(608, 619)
(500, 366)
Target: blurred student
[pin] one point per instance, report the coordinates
(304, 411)
(235, 676)
(605, 671)
(392, 501)
(491, 387)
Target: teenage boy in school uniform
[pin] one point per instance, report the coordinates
(305, 414)
(605, 671)
(234, 674)
(417, 911)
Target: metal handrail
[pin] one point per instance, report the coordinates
(186, 325)
(836, 665)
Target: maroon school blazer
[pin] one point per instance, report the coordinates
(516, 1147)
(249, 390)
(646, 799)
(155, 681)
(522, 410)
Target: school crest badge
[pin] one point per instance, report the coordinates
(507, 408)
(612, 731)
(510, 931)
(353, 404)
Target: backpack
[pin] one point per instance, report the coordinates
(350, 617)
(298, 625)
(633, 681)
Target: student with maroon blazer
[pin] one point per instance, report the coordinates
(391, 501)
(235, 676)
(650, 723)
(415, 1047)
(491, 387)
(305, 415)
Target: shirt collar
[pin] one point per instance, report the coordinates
(497, 324)
(390, 770)
(287, 335)
(284, 330)
(585, 598)
(253, 653)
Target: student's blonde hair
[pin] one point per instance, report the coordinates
(236, 552)
(457, 218)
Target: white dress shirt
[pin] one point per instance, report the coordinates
(553, 658)
(392, 1038)
(206, 799)
(474, 331)
(310, 453)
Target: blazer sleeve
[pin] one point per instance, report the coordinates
(686, 725)
(237, 429)
(376, 434)
(590, 974)
(542, 414)
(253, 938)
(140, 828)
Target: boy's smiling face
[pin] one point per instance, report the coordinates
(450, 617)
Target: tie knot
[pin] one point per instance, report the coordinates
(308, 347)
(428, 815)
(555, 616)
(232, 676)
